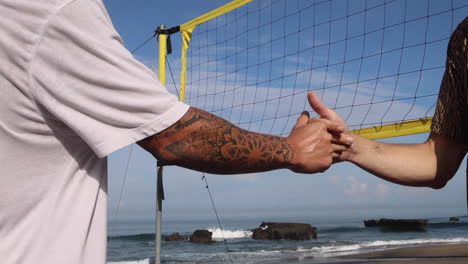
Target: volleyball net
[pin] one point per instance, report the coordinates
(378, 63)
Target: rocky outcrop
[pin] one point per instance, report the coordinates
(397, 224)
(201, 236)
(287, 231)
(176, 237)
(371, 223)
(454, 219)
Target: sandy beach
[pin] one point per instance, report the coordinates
(430, 254)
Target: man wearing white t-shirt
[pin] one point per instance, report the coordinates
(71, 94)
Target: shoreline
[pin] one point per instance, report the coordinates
(430, 254)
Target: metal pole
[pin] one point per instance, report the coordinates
(159, 187)
(160, 197)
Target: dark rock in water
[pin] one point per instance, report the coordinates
(201, 236)
(287, 231)
(371, 223)
(454, 219)
(176, 237)
(397, 224)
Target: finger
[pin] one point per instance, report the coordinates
(302, 120)
(333, 126)
(339, 148)
(319, 107)
(336, 157)
(343, 139)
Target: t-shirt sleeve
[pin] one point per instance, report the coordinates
(451, 115)
(84, 77)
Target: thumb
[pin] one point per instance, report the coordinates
(319, 107)
(302, 120)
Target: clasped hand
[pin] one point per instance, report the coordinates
(317, 142)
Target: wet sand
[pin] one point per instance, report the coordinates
(429, 254)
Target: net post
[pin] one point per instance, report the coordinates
(159, 199)
(159, 187)
(162, 38)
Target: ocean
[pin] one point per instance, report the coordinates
(132, 241)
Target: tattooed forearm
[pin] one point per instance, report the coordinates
(204, 142)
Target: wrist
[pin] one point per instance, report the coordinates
(352, 154)
(289, 161)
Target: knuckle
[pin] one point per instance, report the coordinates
(312, 120)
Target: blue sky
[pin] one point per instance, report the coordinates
(344, 188)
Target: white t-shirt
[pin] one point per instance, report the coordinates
(70, 94)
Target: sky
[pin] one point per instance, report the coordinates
(343, 189)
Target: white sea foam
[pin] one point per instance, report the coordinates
(143, 261)
(328, 249)
(229, 234)
(378, 243)
(334, 250)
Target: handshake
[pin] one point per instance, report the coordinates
(319, 142)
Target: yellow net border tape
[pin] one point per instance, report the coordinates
(405, 128)
(213, 14)
(186, 30)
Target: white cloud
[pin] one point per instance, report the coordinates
(354, 187)
(349, 186)
(248, 177)
(382, 190)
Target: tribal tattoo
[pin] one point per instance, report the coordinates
(205, 142)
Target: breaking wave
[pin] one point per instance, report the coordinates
(229, 234)
(217, 235)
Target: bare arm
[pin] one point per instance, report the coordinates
(431, 164)
(204, 142)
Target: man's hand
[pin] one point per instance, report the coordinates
(311, 142)
(342, 142)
